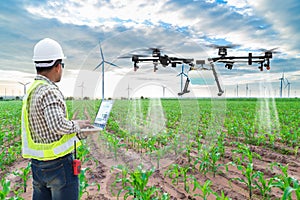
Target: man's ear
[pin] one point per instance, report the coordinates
(56, 68)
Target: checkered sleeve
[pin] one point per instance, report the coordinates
(54, 109)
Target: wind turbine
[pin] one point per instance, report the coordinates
(182, 74)
(82, 87)
(24, 84)
(102, 64)
(281, 83)
(289, 86)
(128, 90)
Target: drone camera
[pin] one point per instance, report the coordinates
(222, 52)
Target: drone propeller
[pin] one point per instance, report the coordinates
(133, 55)
(229, 46)
(156, 51)
(269, 50)
(222, 48)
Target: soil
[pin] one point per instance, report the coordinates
(103, 175)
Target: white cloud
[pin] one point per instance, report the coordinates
(284, 17)
(80, 25)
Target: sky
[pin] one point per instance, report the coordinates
(182, 28)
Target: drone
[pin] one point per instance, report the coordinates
(262, 60)
(156, 58)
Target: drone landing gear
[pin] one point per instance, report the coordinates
(216, 79)
(185, 90)
(155, 66)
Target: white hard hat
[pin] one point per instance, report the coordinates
(46, 50)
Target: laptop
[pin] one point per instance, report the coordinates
(101, 117)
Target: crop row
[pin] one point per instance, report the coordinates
(195, 129)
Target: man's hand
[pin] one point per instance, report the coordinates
(84, 124)
(86, 128)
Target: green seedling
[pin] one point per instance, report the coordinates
(83, 182)
(173, 173)
(24, 174)
(5, 184)
(286, 183)
(205, 189)
(137, 185)
(247, 169)
(264, 186)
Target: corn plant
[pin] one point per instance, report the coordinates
(263, 185)
(137, 185)
(215, 157)
(208, 160)
(184, 173)
(115, 142)
(173, 173)
(222, 196)
(83, 182)
(286, 183)
(204, 161)
(250, 174)
(247, 170)
(205, 189)
(124, 173)
(5, 185)
(82, 153)
(24, 174)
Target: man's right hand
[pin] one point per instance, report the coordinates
(84, 124)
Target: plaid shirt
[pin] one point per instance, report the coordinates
(47, 114)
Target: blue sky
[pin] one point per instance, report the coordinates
(183, 28)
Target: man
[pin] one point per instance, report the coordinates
(48, 136)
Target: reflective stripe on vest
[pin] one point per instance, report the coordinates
(40, 151)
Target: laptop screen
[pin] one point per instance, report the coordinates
(103, 114)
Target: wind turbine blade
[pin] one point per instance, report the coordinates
(286, 86)
(111, 63)
(98, 65)
(287, 81)
(101, 52)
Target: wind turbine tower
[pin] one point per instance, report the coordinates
(164, 88)
(128, 91)
(281, 84)
(288, 85)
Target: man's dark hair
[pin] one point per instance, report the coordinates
(45, 69)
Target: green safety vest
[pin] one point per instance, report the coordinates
(40, 151)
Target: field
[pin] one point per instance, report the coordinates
(174, 149)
